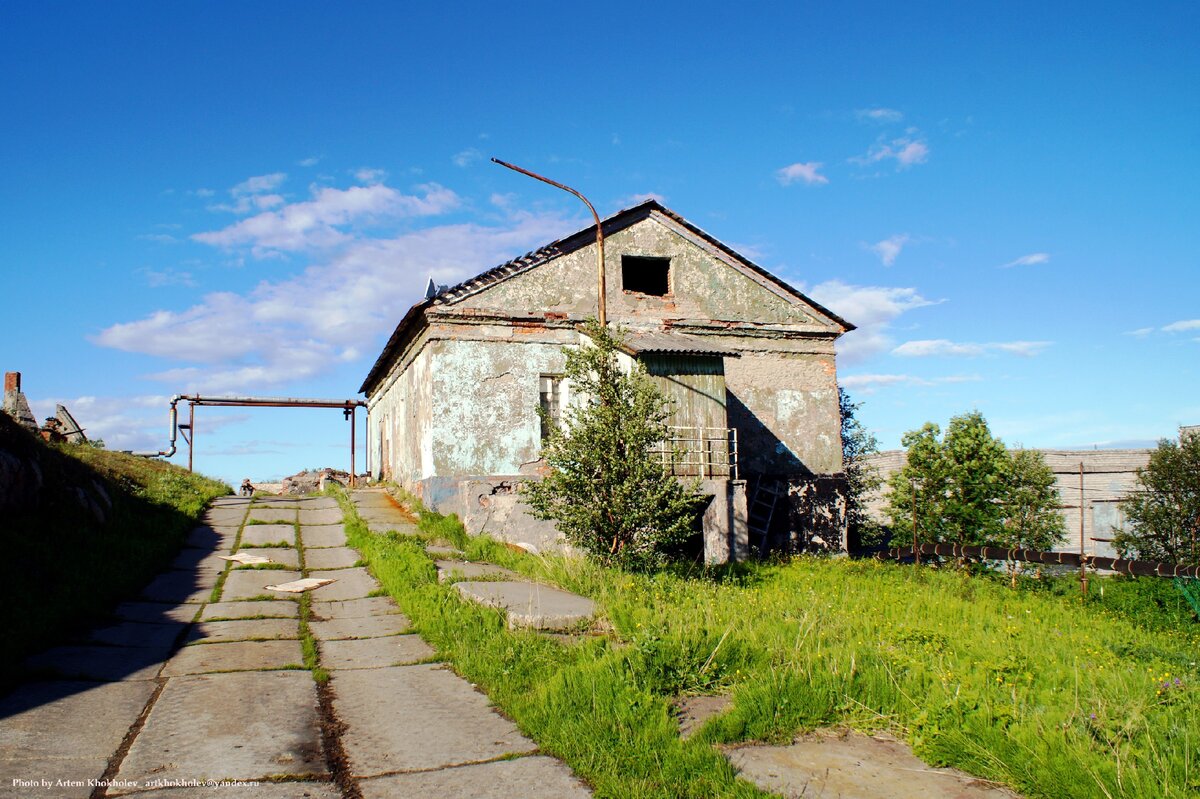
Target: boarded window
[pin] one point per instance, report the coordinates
(550, 398)
(646, 275)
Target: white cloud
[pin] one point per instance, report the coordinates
(467, 157)
(137, 423)
(906, 151)
(368, 175)
(882, 115)
(802, 172)
(1182, 325)
(341, 305)
(310, 161)
(1032, 259)
(871, 308)
(1141, 332)
(940, 347)
(638, 199)
(889, 249)
(259, 184)
(160, 238)
(157, 278)
(322, 222)
(871, 383)
(254, 194)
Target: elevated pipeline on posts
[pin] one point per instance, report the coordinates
(1141, 568)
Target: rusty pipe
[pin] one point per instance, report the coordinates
(172, 432)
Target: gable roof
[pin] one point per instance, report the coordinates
(439, 295)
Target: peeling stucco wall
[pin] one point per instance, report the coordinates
(400, 422)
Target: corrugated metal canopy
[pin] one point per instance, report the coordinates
(638, 342)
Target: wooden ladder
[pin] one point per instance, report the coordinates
(761, 509)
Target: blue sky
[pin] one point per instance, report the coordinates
(229, 197)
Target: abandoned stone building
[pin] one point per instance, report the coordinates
(747, 361)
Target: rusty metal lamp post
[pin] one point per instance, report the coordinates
(601, 303)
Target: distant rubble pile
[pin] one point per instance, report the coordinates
(59, 427)
(307, 482)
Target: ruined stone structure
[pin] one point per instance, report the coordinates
(15, 404)
(747, 360)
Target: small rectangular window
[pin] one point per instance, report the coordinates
(550, 398)
(646, 274)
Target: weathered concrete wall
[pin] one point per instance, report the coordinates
(493, 505)
(486, 421)
(400, 422)
(785, 408)
(726, 536)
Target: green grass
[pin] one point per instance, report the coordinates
(64, 568)
(1054, 697)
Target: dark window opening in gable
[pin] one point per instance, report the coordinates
(646, 274)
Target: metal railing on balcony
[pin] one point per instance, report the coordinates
(705, 452)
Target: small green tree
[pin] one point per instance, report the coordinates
(958, 484)
(862, 479)
(1031, 518)
(605, 491)
(1164, 511)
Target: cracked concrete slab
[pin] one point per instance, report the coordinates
(318, 503)
(531, 605)
(64, 730)
(373, 653)
(180, 587)
(130, 633)
(155, 612)
(243, 726)
(286, 557)
(407, 718)
(351, 584)
(100, 663)
(364, 627)
(262, 535)
(354, 608)
(320, 515)
(534, 777)
(227, 516)
(323, 535)
(273, 515)
(235, 656)
(331, 558)
(461, 569)
(243, 630)
(251, 583)
(274, 609)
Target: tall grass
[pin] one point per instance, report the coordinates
(1049, 695)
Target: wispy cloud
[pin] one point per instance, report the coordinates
(323, 221)
(1182, 326)
(1033, 259)
(889, 249)
(159, 238)
(871, 383)
(905, 151)
(940, 347)
(254, 194)
(879, 115)
(158, 278)
(310, 161)
(806, 173)
(368, 175)
(871, 308)
(467, 157)
(638, 199)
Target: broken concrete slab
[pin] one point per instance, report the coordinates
(854, 766)
(320, 515)
(531, 605)
(301, 586)
(100, 663)
(693, 711)
(466, 570)
(273, 515)
(351, 584)
(252, 583)
(243, 630)
(155, 612)
(324, 535)
(317, 503)
(286, 557)
(129, 633)
(65, 731)
(265, 535)
(364, 627)
(373, 653)
(408, 718)
(533, 777)
(353, 608)
(180, 587)
(445, 553)
(331, 558)
(245, 726)
(272, 609)
(372, 497)
(235, 656)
